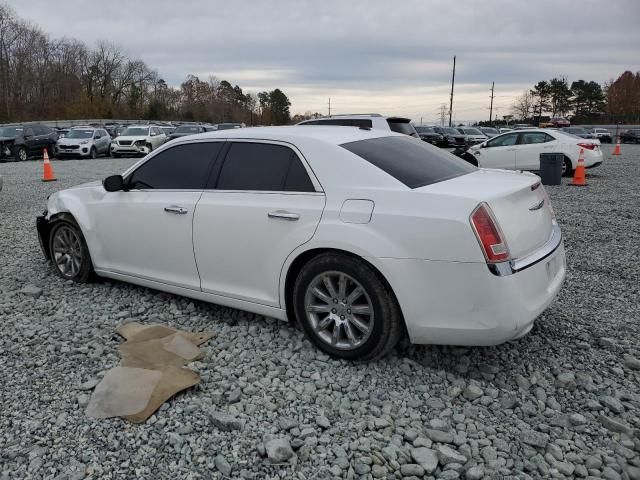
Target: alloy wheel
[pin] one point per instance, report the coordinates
(22, 154)
(339, 310)
(67, 251)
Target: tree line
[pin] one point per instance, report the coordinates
(617, 101)
(45, 79)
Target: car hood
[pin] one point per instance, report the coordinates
(71, 141)
(137, 137)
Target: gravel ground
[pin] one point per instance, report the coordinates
(561, 402)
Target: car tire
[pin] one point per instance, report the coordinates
(331, 323)
(150, 147)
(51, 153)
(115, 155)
(69, 252)
(567, 167)
(21, 154)
(93, 153)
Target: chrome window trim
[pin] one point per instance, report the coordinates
(510, 267)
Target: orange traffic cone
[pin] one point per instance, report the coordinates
(616, 151)
(580, 176)
(48, 175)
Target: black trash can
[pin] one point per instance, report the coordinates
(551, 168)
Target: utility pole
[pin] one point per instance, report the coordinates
(491, 107)
(329, 106)
(453, 79)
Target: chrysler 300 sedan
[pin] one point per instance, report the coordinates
(358, 235)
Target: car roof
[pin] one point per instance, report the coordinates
(336, 135)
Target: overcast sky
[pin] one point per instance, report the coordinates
(368, 56)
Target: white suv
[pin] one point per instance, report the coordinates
(137, 140)
(369, 120)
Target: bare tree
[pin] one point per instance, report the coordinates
(523, 106)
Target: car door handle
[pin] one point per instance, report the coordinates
(177, 210)
(292, 217)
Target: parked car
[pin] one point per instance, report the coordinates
(521, 149)
(578, 131)
(84, 142)
(630, 136)
(227, 126)
(168, 130)
(559, 122)
(385, 234)
(452, 137)
(137, 140)
(489, 132)
(428, 134)
(373, 120)
(601, 134)
(20, 142)
(505, 129)
(473, 135)
(62, 132)
(184, 130)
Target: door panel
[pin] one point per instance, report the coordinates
(240, 249)
(498, 157)
(138, 237)
(532, 144)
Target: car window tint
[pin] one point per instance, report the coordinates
(410, 161)
(297, 178)
(503, 141)
(38, 130)
(401, 127)
(262, 167)
(183, 167)
(535, 137)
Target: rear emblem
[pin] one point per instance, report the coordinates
(537, 206)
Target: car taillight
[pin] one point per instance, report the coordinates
(588, 146)
(489, 235)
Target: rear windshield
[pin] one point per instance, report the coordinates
(412, 162)
(471, 131)
(425, 130)
(401, 127)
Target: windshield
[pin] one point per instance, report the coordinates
(450, 131)
(425, 130)
(412, 162)
(490, 130)
(79, 134)
(472, 131)
(10, 131)
(188, 130)
(135, 132)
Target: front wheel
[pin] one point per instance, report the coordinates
(21, 154)
(345, 308)
(93, 154)
(69, 251)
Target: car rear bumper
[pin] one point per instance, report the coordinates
(455, 303)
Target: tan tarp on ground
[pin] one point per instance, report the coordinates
(149, 373)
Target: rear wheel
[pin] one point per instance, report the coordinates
(567, 167)
(69, 251)
(345, 308)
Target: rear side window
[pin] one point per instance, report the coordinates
(412, 162)
(535, 137)
(183, 167)
(401, 127)
(263, 167)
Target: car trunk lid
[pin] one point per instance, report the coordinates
(518, 201)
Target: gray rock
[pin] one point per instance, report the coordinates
(411, 470)
(323, 422)
(631, 362)
(31, 291)
(378, 471)
(89, 384)
(234, 395)
(426, 458)
(224, 421)
(567, 380)
(612, 404)
(448, 455)
(614, 425)
(472, 392)
(439, 436)
(474, 473)
(222, 465)
(577, 419)
(610, 474)
(279, 450)
(536, 439)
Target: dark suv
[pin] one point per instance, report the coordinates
(630, 136)
(19, 142)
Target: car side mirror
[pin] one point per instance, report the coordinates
(114, 183)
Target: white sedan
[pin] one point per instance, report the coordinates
(358, 235)
(521, 149)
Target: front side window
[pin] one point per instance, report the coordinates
(503, 141)
(183, 167)
(263, 167)
(412, 162)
